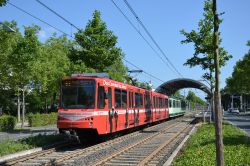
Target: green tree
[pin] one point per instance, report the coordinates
(50, 67)
(8, 44)
(203, 44)
(177, 94)
(194, 99)
(19, 62)
(23, 56)
(239, 81)
(3, 2)
(118, 71)
(97, 45)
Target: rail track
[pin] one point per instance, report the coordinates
(144, 147)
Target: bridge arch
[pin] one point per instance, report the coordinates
(172, 86)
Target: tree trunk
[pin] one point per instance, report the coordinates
(212, 96)
(18, 107)
(218, 113)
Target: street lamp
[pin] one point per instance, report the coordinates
(7, 28)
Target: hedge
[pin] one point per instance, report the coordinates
(7, 123)
(42, 119)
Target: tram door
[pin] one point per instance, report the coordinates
(158, 108)
(147, 104)
(131, 108)
(112, 116)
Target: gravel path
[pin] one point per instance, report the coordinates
(24, 133)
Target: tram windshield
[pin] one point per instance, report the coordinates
(78, 94)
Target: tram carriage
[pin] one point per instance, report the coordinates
(177, 107)
(92, 105)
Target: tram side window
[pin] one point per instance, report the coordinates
(170, 103)
(161, 103)
(110, 97)
(157, 102)
(118, 98)
(131, 100)
(154, 102)
(124, 99)
(138, 100)
(166, 103)
(147, 100)
(101, 99)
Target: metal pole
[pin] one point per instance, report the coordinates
(23, 108)
(241, 102)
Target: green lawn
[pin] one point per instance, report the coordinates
(200, 149)
(8, 147)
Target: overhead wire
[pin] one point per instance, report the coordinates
(53, 11)
(131, 25)
(24, 11)
(143, 70)
(151, 37)
(79, 29)
(118, 8)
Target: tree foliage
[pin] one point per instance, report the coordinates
(203, 44)
(97, 45)
(37, 67)
(239, 81)
(194, 99)
(3, 2)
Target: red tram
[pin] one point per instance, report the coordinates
(92, 104)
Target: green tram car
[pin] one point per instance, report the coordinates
(177, 107)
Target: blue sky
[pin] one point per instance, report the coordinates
(164, 19)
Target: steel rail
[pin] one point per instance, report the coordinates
(28, 159)
(105, 159)
(147, 159)
(34, 155)
(62, 145)
(99, 146)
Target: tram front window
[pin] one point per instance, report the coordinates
(78, 94)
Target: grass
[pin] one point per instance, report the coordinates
(200, 149)
(9, 147)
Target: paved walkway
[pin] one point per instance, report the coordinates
(27, 132)
(241, 121)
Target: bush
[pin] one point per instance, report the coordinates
(7, 123)
(42, 119)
